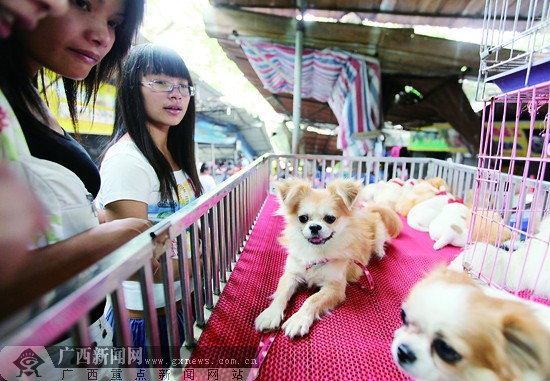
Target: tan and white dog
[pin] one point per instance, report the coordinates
(327, 233)
(387, 192)
(527, 268)
(456, 330)
(422, 214)
(419, 192)
(449, 227)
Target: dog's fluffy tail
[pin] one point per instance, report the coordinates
(453, 236)
(390, 219)
(443, 241)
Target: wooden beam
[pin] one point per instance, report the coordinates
(399, 50)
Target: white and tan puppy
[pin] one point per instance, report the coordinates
(488, 226)
(449, 227)
(456, 330)
(326, 231)
(419, 192)
(422, 214)
(527, 268)
(387, 192)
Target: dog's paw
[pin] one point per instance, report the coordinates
(380, 252)
(270, 319)
(298, 325)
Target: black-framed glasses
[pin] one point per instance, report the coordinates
(167, 87)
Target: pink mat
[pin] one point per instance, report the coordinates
(351, 343)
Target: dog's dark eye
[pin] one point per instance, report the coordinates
(303, 218)
(404, 317)
(329, 219)
(445, 351)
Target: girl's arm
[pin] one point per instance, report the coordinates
(48, 267)
(125, 209)
(131, 208)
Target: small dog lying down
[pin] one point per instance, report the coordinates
(326, 231)
(454, 329)
(527, 268)
(449, 227)
(419, 192)
(422, 214)
(387, 192)
(488, 226)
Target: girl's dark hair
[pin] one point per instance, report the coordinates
(20, 90)
(130, 116)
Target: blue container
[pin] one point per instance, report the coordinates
(524, 224)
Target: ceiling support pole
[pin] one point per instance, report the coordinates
(213, 165)
(297, 96)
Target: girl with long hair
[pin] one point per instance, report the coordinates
(148, 169)
(82, 44)
(84, 47)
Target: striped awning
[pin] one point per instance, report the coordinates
(349, 83)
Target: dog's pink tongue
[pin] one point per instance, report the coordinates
(316, 240)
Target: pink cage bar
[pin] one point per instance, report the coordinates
(509, 234)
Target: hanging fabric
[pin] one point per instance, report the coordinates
(349, 83)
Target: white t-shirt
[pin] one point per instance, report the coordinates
(127, 175)
(207, 182)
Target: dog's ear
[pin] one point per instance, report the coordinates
(291, 191)
(346, 189)
(527, 342)
(437, 182)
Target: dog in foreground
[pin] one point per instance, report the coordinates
(327, 233)
(455, 329)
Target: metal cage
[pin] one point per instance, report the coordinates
(515, 44)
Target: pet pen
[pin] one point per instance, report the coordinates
(511, 200)
(236, 260)
(240, 267)
(242, 262)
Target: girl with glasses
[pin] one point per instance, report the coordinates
(149, 169)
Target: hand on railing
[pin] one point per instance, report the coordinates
(48, 267)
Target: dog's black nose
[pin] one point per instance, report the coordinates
(405, 354)
(315, 228)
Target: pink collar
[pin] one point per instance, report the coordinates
(370, 280)
(319, 262)
(396, 182)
